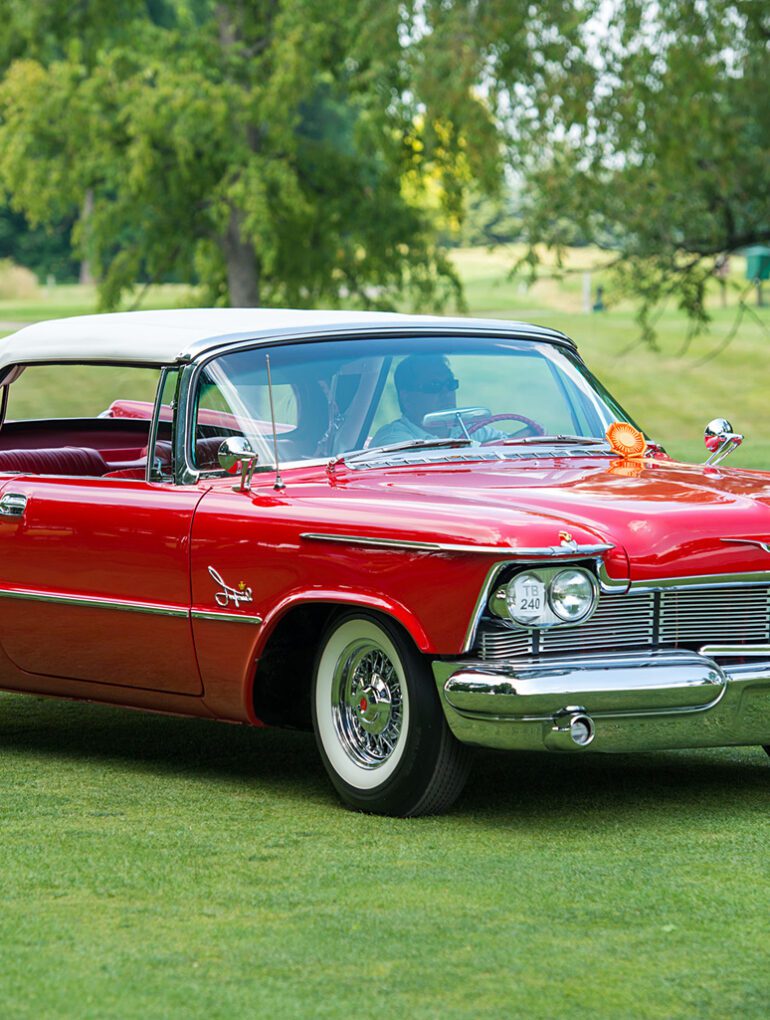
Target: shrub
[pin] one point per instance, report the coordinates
(16, 281)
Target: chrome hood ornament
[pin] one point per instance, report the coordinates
(227, 594)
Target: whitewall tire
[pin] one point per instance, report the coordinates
(378, 722)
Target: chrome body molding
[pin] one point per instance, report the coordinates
(607, 583)
(198, 614)
(614, 703)
(85, 601)
(569, 551)
(152, 608)
(552, 553)
(763, 545)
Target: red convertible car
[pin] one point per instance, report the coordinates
(412, 534)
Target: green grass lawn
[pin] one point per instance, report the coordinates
(155, 867)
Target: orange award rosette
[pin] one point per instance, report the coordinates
(626, 440)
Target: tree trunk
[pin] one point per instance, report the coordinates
(242, 265)
(86, 273)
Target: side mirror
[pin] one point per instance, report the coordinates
(237, 451)
(720, 439)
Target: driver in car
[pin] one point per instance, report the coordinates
(424, 384)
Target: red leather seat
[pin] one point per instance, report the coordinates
(65, 460)
(206, 451)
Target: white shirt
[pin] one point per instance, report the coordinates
(403, 429)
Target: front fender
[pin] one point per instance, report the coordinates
(367, 600)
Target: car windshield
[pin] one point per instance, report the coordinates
(337, 397)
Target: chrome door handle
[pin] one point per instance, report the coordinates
(13, 504)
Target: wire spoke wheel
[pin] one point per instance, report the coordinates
(378, 722)
(367, 704)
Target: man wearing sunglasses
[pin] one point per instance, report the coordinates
(424, 384)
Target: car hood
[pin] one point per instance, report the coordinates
(664, 519)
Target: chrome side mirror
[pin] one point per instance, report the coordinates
(237, 450)
(720, 439)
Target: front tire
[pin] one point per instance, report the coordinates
(378, 722)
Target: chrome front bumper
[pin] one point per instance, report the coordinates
(634, 702)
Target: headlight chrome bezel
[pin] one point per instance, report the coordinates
(533, 584)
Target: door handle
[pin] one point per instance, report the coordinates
(13, 504)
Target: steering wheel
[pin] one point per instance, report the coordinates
(536, 427)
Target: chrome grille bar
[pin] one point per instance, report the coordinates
(666, 619)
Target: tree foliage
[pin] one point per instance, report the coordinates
(667, 165)
(292, 151)
(277, 151)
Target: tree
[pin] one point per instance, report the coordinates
(278, 151)
(666, 164)
(258, 147)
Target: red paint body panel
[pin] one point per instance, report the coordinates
(98, 538)
(128, 540)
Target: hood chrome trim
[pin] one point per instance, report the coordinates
(569, 551)
(764, 546)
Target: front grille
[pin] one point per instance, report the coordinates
(734, 615)
(687, 618)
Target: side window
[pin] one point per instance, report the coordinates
(83, 391)
(72, 420)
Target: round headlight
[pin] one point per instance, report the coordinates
(572, 594)
(526, 599)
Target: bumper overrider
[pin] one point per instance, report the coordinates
(613, 703)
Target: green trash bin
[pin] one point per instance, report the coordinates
(757, 262)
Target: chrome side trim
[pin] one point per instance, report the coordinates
(151, 608)
(550, 552)
(197, 614)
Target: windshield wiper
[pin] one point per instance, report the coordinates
(408, 444)
(554, 440)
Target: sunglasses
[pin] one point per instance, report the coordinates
(435, 386)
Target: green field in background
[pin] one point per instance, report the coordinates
(161, 868)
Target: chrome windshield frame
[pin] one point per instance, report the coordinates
(186, 473)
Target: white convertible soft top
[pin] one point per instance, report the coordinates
(165, 337)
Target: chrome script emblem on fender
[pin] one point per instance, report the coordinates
(764, 546)
(227, 594)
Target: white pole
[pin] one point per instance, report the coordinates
(587, 293)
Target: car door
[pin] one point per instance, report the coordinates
(94, 581)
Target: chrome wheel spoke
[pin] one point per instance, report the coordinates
(367, 704)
